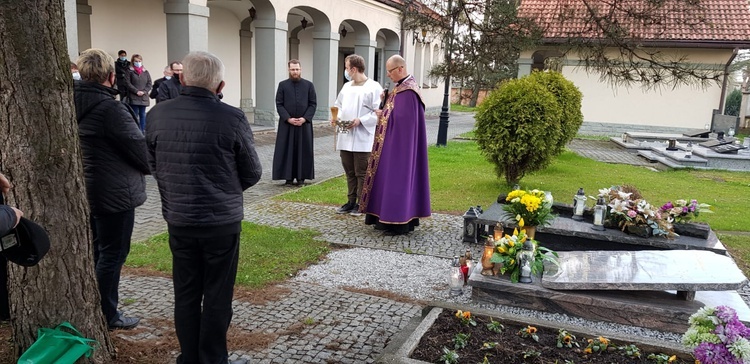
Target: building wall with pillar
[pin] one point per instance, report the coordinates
(254, 50)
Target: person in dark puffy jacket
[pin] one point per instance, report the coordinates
(202, 155)
(138, 83)
(171, 88)
(114, 164)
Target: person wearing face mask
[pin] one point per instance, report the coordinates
(115, 161)
(357, 102)
(155, 89)
(122, 65)
(138, 83)
(74, 71)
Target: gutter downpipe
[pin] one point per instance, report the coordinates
(724, 83)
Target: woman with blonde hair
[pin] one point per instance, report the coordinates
(138, 83)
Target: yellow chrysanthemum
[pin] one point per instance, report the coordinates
(515, 194)
(531, 202)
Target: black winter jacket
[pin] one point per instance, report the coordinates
(113, 149)
(202, 154)
(168, 89)
(7, 219)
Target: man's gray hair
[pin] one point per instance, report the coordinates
(202, 69)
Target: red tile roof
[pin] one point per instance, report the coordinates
(716, 23)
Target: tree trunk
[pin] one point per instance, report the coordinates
(41, 157)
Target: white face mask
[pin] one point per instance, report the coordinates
(347, 76)
(168, 77)
(76, 76)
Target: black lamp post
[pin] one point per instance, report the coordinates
(442, 137)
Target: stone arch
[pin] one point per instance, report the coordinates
(546, 59)
(388, 45)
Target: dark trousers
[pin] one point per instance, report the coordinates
(203, 269)
(111, 234)
(355, 168)
(140, 110)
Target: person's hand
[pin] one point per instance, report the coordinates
(139, 93)
(354, 123)
(19, 214)
(4, 184)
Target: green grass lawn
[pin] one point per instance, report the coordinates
(267, 254)
(460, 177)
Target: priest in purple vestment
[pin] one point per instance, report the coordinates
(396, 191)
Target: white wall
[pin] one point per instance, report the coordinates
(684, 106)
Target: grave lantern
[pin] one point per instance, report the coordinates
(600, 211)
(455, 278)
(471, 232)
(672, 144)
(579, 204)
(525, 259)
(469, 265)
(689, 150)
(481, 228)
(489, 249)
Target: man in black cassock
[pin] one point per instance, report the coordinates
(295, 103)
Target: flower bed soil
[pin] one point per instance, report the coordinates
(511, 347)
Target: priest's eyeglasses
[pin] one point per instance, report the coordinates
(393, 69)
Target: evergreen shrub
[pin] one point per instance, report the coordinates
(526, 122)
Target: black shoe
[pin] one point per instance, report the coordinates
(347, 208)
(289, 182)
(355, 211)
(124, 323)
(300, 182)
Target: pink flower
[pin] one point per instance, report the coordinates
(632, 214)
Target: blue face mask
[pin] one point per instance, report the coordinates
(168, 77)
(137, 64)
(123, 59)
(347, 76)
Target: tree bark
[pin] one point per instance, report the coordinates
(40, 155)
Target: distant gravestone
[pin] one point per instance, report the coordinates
(722, 123)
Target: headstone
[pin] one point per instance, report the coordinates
(722, 123)
(717, 142)
(645, 270)
(697, 133)
(727, 148)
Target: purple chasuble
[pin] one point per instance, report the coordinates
(397, 183)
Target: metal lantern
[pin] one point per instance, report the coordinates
(579, 204)
(672, 144)
(456, 278)
(471, 232)
(489, 249)
(600, 211)
(689, 150)
(525, 259)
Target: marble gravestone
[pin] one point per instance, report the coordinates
(685, 271)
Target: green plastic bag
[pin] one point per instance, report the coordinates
(58, 346)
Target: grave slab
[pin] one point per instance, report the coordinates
(645, 270)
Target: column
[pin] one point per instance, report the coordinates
(366, 49)
(293, 48)
(246, 73)
(187, 29)
(524, 66)
(325, 68)
(387, 53)
(271, 37)
(80, 39)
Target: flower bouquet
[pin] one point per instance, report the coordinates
(717, 336)
(633, 214)
(682, 212)
(533, 207)
(508, 247)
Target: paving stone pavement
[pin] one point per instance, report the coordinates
(310, 324)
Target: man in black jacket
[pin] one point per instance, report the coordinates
(114, 162)
(171, 88)
(122, 67)
(155, 89)
(202, 155)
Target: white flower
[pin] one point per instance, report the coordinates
(740, 348)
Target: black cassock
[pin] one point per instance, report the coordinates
(293, 156)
